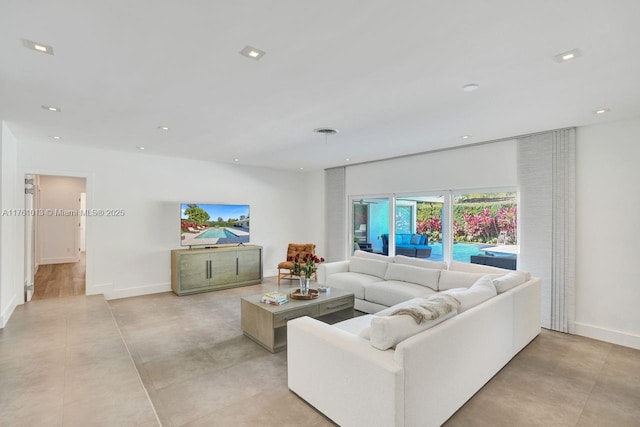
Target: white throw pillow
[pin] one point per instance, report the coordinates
(424, 263)
(478, 293)
(388, 331)
(468, 267)
(371, 255)
(408, 273)
(509, 281)
(368, 266)
(459, 279)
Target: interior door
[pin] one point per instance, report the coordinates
(29, 238)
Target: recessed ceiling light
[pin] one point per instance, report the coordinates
(55, 137)
(466, 136)
(252, 53)
(568, 56)
(140, 148)
(301, 169)
(163, 128)
(38, 47)
(602, 111)
(470, 87)
(347, 159)
(236, 160)
(51, 108)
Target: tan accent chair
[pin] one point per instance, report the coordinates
(300, 249)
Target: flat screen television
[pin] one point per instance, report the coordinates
(204, 224)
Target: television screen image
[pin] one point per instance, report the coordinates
(213, 224)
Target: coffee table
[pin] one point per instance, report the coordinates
(266, 324)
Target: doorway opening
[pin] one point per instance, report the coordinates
(55, 235)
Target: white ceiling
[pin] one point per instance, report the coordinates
(387, 74)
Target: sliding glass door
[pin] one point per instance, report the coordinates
(419, 228)
(370, 226)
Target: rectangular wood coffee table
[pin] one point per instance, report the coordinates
(266, 324)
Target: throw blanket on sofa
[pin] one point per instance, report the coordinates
(430, 308)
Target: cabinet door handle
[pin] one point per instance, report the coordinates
(210, 269)
(206, 269)
(237, 267)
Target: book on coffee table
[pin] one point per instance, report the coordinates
(275, 298)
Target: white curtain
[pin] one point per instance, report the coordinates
(335, 214)
(546, 175)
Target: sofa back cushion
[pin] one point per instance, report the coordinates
(468, 267)
(424, 263)
(481, 290)
(510, 280)
(371, 255)
(415, 239)
(388, 331)
(458, 279)
(408, 273)
(371, 267)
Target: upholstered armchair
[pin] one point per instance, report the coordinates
(300, 249)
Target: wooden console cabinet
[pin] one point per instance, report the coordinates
(203, 270)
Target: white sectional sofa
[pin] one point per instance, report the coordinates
(382, 370)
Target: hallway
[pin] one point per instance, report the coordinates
(60, 280)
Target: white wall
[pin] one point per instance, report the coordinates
(607, 210)
(59, 235)
(130, 255)
(11, 288)
(481, 166)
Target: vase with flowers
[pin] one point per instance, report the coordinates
(305, 266)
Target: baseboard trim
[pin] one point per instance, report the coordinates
(609, 335)
(58, 260)
(137, 291)
(6, 314)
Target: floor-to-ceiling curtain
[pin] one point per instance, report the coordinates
(546, 175)
(335, 214)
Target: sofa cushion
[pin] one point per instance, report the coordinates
(409, 273)
(371, 255)
(482, 290)
(510, 280)
(360, 325)
(424, 263)
(415, 239)
(468, 267)
(392, 292)
(459, 279)
(368, 266)
(351, 282)
(388, 331)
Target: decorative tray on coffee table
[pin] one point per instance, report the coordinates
(311, 295)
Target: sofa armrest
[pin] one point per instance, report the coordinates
(329, 268)
(342, 376)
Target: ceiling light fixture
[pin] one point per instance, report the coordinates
(301, 169)
(38, 47)
(140, 148)
(470, 87)
(51, 108)
(602, 111)
(347, 159)
(164, 128)
(252, 53)
(55, 137)
(326, 132)
(466, 136)
(236, 160)
(568, 56)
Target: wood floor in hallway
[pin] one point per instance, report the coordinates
(60, 280)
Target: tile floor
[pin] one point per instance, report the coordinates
(58, 364)
(63, 362)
